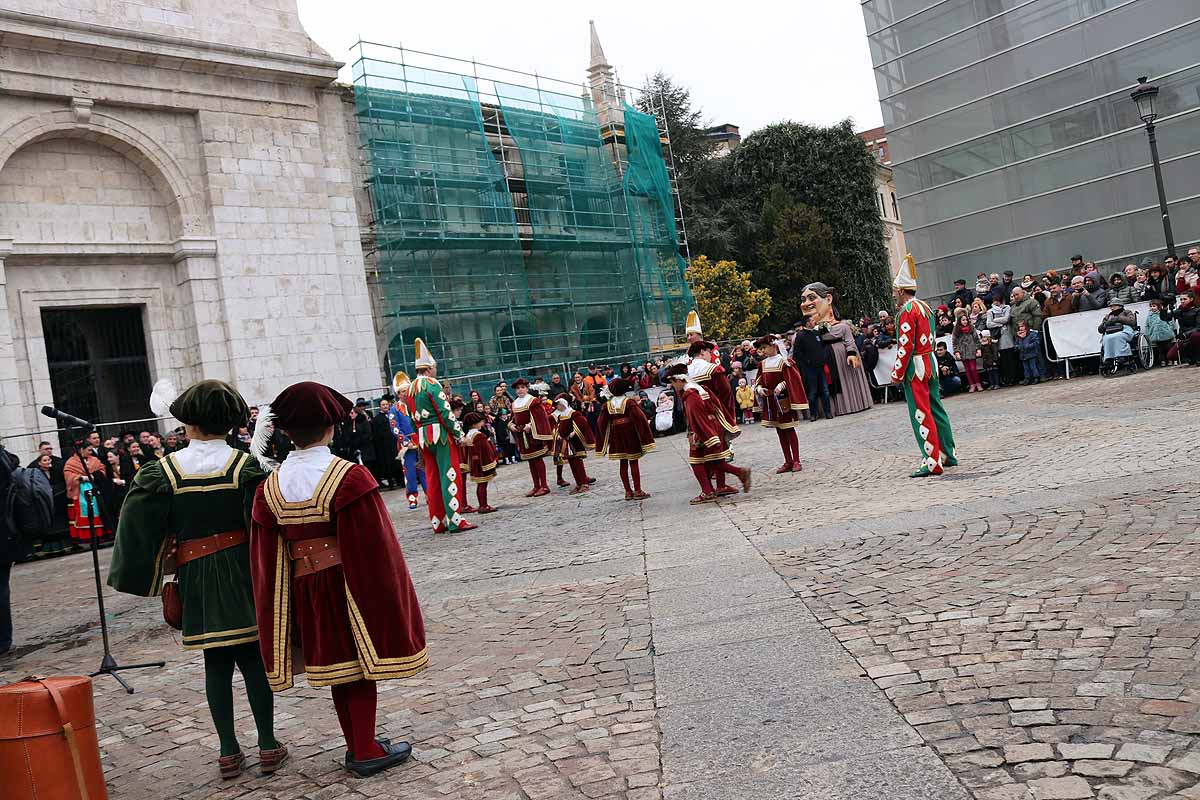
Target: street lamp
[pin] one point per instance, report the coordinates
(1144, 95)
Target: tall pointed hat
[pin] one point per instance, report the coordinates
(693, 323)
(424, 357)
(906, 278)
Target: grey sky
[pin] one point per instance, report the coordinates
(749, 63)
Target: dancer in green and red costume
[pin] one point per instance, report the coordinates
(918, 369)
(439, 436)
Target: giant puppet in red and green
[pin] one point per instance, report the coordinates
(918, 369)
(439, 436)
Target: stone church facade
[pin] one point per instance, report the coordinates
(188, 163)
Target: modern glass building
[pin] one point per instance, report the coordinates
(1013, 138)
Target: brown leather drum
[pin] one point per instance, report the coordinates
(48, 747)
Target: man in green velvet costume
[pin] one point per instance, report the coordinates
(192, 507)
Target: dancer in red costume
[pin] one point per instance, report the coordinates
(780, 389)
(481, 459)
(623, 434)
(708, 449)
(573, 438)
(533, 431)
(327, 569)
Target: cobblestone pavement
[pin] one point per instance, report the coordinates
(1024, 627)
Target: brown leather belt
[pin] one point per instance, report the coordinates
(314, 555)
(191, 549)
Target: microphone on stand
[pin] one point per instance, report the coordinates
(66, 419)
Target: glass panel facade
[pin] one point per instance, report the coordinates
(1013, 138)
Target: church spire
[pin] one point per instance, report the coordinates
(598, 61)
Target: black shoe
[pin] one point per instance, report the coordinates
(393, 754)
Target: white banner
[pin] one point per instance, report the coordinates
(1077, 335)
(887, 361)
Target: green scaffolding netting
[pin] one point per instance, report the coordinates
(507, 236)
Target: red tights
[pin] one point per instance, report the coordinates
(789, 442)
(628, 466)
(537, 471)
(578, 471)
(481, 495)
(355, 704)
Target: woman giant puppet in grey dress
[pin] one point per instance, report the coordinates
(851, 392)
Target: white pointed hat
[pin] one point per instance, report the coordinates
(424, 357)
(906, 278)
(693, 323)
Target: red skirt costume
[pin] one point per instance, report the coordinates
(354, 620)
(707, 436)
(622, 430)
(538, 432)
(782, 409)
(573, 437)
(481, 457)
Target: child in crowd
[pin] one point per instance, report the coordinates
(504, 442)
(745, 401)
(966, 350)
(989, 359)
(1029, 345)
(1158, 330)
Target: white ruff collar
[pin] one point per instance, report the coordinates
(521, 403)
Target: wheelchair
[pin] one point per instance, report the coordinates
(1142, 356)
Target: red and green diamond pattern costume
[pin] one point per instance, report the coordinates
(917, 367)
(438, 435)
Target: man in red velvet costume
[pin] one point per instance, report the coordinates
(708, 448)
(704, 369)
(534, 432)
(780, 389)
(328, 572)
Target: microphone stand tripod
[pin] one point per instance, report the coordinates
(108, 664)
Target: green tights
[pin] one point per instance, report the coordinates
(218, 686)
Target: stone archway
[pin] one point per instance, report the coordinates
(93, 213)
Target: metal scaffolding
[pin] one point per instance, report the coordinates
(514, 223)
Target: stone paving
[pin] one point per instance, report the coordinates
(1024, 628)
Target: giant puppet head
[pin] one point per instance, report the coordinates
(816, 303)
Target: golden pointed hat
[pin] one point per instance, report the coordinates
(906, 278)
(401, 382)
(693, 323)
(424, 357)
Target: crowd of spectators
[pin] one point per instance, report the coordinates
(995, 327)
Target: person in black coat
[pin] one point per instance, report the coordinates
(809, 353)
(383, 438)
(9, 549)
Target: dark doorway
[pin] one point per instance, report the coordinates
(98, 364)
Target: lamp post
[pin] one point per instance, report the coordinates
(1144, 95)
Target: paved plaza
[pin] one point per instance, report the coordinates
(1023, 628)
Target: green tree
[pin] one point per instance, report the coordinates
(712, 211)
(831, 171)
(729, 305)
(795, 249)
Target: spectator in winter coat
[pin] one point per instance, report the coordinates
(1187, 347)
(1057, 302)
(1158, 329)
(989, 359)
(961, 292)
(966, 350)
(1024, 309)
(1120, 289)
(1029, 345)
(1093, 297)
(1118, 329)
(947, 370)
(998, 319)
